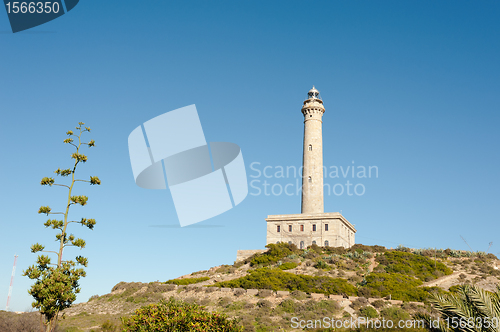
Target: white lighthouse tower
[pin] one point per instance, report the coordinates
(312, 162)
(312, 226)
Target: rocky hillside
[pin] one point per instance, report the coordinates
(267, 290)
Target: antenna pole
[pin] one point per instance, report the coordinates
(11, 283)
(466, 243)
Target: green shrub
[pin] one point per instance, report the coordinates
(395, 314)
(288, 266)
(264, 304)
(276, 279)
(326, 306)
(109, 326)
(399, 286)
(368, 312)
(274, 253)
(359, 302)
(288, 306)
(93, 297)
(378, 304)
(187, 281)
(299, 295)
(177, 316)
(237, 305)
(414, 265)
(316, 248)
(320, 264)
(224, 301)
(373, 249)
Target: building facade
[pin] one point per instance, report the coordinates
(313, 225)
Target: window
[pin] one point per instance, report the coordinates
(326, 243)
(314, 228)
(301, 228)
(278, 228)
(310, 179)
(326, 227)
(289, 228)
(289, 242)
(301, 244)
(310, 147)
(314, 242)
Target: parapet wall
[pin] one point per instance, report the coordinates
(241, 255)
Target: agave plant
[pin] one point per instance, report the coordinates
(469, 308)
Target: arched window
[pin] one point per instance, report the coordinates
(326, 243)
(289, 242)
(310, 179)
(310, 147)
(314, 242)
(301, 244)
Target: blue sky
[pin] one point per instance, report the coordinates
(409, 87)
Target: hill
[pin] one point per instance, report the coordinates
(269, 291)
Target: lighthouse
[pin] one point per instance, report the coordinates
(312, 161)
(312, 226)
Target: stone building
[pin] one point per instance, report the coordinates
(313, 225)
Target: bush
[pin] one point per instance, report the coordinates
(373, 249)
(288, 266)
(400, 287)
(299, 295)
(120, 285)
(264, 304)
(326, 306)
(109, 326)
(178, 316)
(170, 287)
(314, 247)
(320, 264)
(274, 253)
(25, 322)
(410, 264)
(277, 279)
(365, 292)
(224, 301)
(288, 306)
(368, 312)
(354, 279)
(378, 304)
(359, 302)
(187, 281)
(395, 314)
(93, 297)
